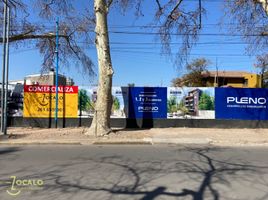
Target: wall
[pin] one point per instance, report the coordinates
(138, 123)
(46, 79)
(254, 80)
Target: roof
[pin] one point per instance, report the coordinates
(229, 74)
(43, 74)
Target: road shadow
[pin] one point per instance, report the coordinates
(8, 150)
(201, 176)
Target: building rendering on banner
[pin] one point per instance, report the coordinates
(239, 79)
(192, 101)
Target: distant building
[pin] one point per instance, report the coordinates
(15, 98)
(240, 79)
(47, 79)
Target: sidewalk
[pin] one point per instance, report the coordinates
(204, 136)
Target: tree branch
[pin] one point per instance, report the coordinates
(27, 36)
(174, 9)
(159, 5)
(109, 3)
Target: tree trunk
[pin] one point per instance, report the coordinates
(101, 122)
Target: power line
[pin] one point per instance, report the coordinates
(184, 34)
(191, 54)
(150, 52)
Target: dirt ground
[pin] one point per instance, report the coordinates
(213, 136)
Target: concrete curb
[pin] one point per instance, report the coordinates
(178, 140)
(122, 143)
(39, 143)
(144, 141)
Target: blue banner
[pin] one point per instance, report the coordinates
(241, 103)
(147, 102)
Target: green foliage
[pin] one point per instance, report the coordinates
(206, 102)
(83, 100)
(198, 65)
(194, 77)
(172, 104)
(182, 108)
(116, 103)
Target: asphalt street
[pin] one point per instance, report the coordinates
(133, 172)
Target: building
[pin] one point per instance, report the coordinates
(47, 79)
(15, 98)
(240, 79)
(191, 101)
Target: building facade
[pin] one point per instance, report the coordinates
(240, 79)
(47, 79)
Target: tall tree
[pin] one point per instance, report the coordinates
(169, 16)
(194, 75)
(262, 64)
(174, 19)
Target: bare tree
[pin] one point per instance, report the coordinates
(250, 20)
(262, 64)
(101, 121)
(26, 30)
(172, 20)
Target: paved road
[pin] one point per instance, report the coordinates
(133, 172)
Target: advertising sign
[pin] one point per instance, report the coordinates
(147, 102)
(190, 103)
(241, 103)
(120, 101)
(40, 101)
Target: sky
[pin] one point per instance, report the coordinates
(137, 57)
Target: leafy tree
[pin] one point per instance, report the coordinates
(206, 102)
(183, 108)
(116, 103)
(83, 100)
(131, 84)
(172, 104)
(194, 77)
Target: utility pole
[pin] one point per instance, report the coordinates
(3, 66)
(6, 71)
(57, 72)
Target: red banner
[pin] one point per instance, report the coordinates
(50, 89)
